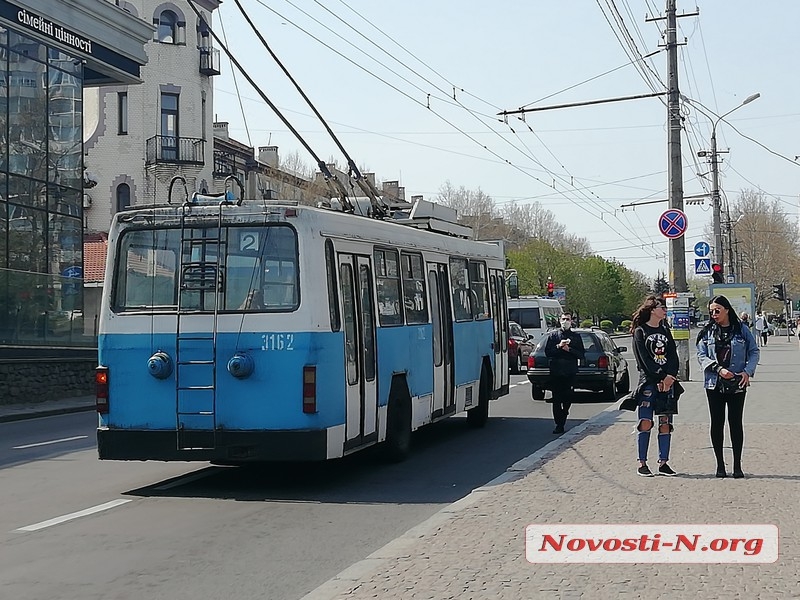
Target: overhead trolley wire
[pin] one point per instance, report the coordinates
(320, 163)
(379, 207)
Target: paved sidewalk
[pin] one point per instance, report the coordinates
(475, 548)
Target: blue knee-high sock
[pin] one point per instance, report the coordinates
(644, 442)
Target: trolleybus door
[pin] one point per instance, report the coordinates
(444, 397)
(358, 310)
(500, 313)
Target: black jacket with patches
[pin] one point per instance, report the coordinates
(656, 353)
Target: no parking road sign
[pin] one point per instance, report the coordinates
(673, 223)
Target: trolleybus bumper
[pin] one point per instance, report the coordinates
(231, 446)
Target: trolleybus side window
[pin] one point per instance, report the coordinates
(369, 322)
(387, 286)
(459, 278)
(333, 298)
(436, 319)
(414, 298)
(350, 321)
(479, 291)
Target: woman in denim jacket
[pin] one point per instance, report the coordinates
(726, 351)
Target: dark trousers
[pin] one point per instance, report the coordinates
(562, 399)
(716, 407)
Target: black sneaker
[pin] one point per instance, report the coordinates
(665, 469)
(644, 471)
(559, 429)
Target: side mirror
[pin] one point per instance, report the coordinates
(513, 286)
(620, 349)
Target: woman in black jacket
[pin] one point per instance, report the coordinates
(657, 362)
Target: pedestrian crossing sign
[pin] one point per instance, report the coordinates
(702, 266)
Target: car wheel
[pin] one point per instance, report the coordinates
(609, 393)
(537, 392)
(624, 385)
(516, 365)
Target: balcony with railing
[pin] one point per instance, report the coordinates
(209, 61)
(174, 150)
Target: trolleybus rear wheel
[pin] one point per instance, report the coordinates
(398, 423)
(477, 417)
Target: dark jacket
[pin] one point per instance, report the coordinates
(564, 363)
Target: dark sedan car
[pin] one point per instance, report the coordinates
(520, 346)
(604, 370)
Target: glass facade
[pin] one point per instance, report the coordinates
(41, 194)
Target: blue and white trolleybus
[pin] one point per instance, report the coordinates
(235, 332)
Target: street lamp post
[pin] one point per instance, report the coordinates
(715, 196)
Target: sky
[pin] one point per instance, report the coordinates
(413, 89)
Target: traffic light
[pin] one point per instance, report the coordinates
(550, 288)
(716, 273)
(779, 291)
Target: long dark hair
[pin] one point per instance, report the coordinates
(642, 314)
(736, 323)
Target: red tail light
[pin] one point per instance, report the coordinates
(602, 362)
(309, 390)
(512, 343)
(101, 389)
(531, 361)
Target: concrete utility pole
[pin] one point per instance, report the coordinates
(716, 204)
(677, 247)
(715, 195)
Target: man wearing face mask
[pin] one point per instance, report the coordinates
(565, 349)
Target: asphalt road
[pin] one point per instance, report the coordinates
(74, 527)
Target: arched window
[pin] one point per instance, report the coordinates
(123, 196)
(167, 27)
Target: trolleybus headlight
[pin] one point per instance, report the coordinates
(241, 365)
(160, 365)
(101, 389)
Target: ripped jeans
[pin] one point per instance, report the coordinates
(645, 412)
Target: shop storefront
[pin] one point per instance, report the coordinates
(50, 51)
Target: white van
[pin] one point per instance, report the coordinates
(537, 315)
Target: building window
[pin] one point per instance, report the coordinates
(123, 196)
(167, 27)
(122, 113)
(169, 126)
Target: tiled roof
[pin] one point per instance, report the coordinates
(95, 246)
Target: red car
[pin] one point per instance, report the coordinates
(520, 345)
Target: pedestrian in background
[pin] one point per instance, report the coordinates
(762, 329)
(565, 350)
(728, 354)
(657, 362)
(745, 318)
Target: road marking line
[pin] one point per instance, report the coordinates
(75, 515)
(69, 439)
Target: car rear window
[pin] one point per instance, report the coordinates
(528, 318)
